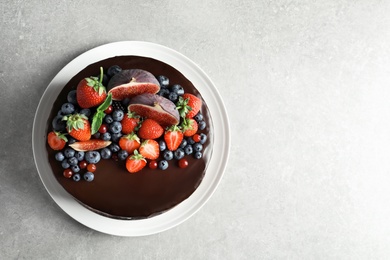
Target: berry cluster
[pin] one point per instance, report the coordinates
(94, 127)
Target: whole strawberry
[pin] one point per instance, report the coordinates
(130, 122)
(90, 91)
(150, 129)
(188, 105)
(78, 127)
(189, 127)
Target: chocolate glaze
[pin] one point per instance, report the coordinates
(117, 193)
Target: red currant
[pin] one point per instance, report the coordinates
(68, 173)
(183, 163)
(109, 110)
(83, 164)
(196, 138)
(91, 167)
(153, 165)
(103, 129)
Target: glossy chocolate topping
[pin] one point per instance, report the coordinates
(115, 192)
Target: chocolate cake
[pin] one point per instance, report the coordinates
(116, 193)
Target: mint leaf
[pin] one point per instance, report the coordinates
(97, 121)
(106, 103)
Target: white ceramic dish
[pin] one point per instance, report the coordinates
(177, 214)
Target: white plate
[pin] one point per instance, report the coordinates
(182, 211)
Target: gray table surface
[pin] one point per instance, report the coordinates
(307, 88)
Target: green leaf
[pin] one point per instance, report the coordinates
(106, 103)
(97, 121)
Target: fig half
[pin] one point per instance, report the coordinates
(155, 107)
(132, 82)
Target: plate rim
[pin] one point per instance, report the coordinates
(185, 209)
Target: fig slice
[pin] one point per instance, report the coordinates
(90, 145)
(132, 82)
(155, 107)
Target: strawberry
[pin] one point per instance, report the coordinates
(135, 163)
(129, 142)
(56, 140)
(150, 149)
(189, 127)
(150, 129)
(90, 91)
(130, 122)
(173, 137)
(188, 105)
(78, 126)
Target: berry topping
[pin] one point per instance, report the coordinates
(129, 142)
(91, 92)
(150, 129)
(150, 149)
(135, 163)
(88, 176)
(183, 163)
(68, 173)
(130, 122)
(56, 140)
(173, 137)
(78, 126)
(153, 164)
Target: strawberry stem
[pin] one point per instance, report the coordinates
(101, 75)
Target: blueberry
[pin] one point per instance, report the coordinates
(108, 119)
(197, 147)
(65, 164)
(86, 111)
(163, 165)
(183, 143)
(105, 153)
(58, 124)
(163, 92)
(201, 125)
(188, 149)
(115, 69)
(69, 152)
(106, 136)
(71, 140)
(88, 176)
(173, 96)
(75, 168)
(97, 135)
(163, 80)
(198, 117)
(59, 156)
(67, 108)
(198, 155)
(115, 127)
(117, 115)
(114, 147)
(178, 89)
(179, 153)
(168, 155)
(73, 161)
(203, 138)
(122, 155)
(162, 145)
(79, 155)
(190, 140)
(76, 177)
(115, 137)
(71, 97)
(92, 157)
